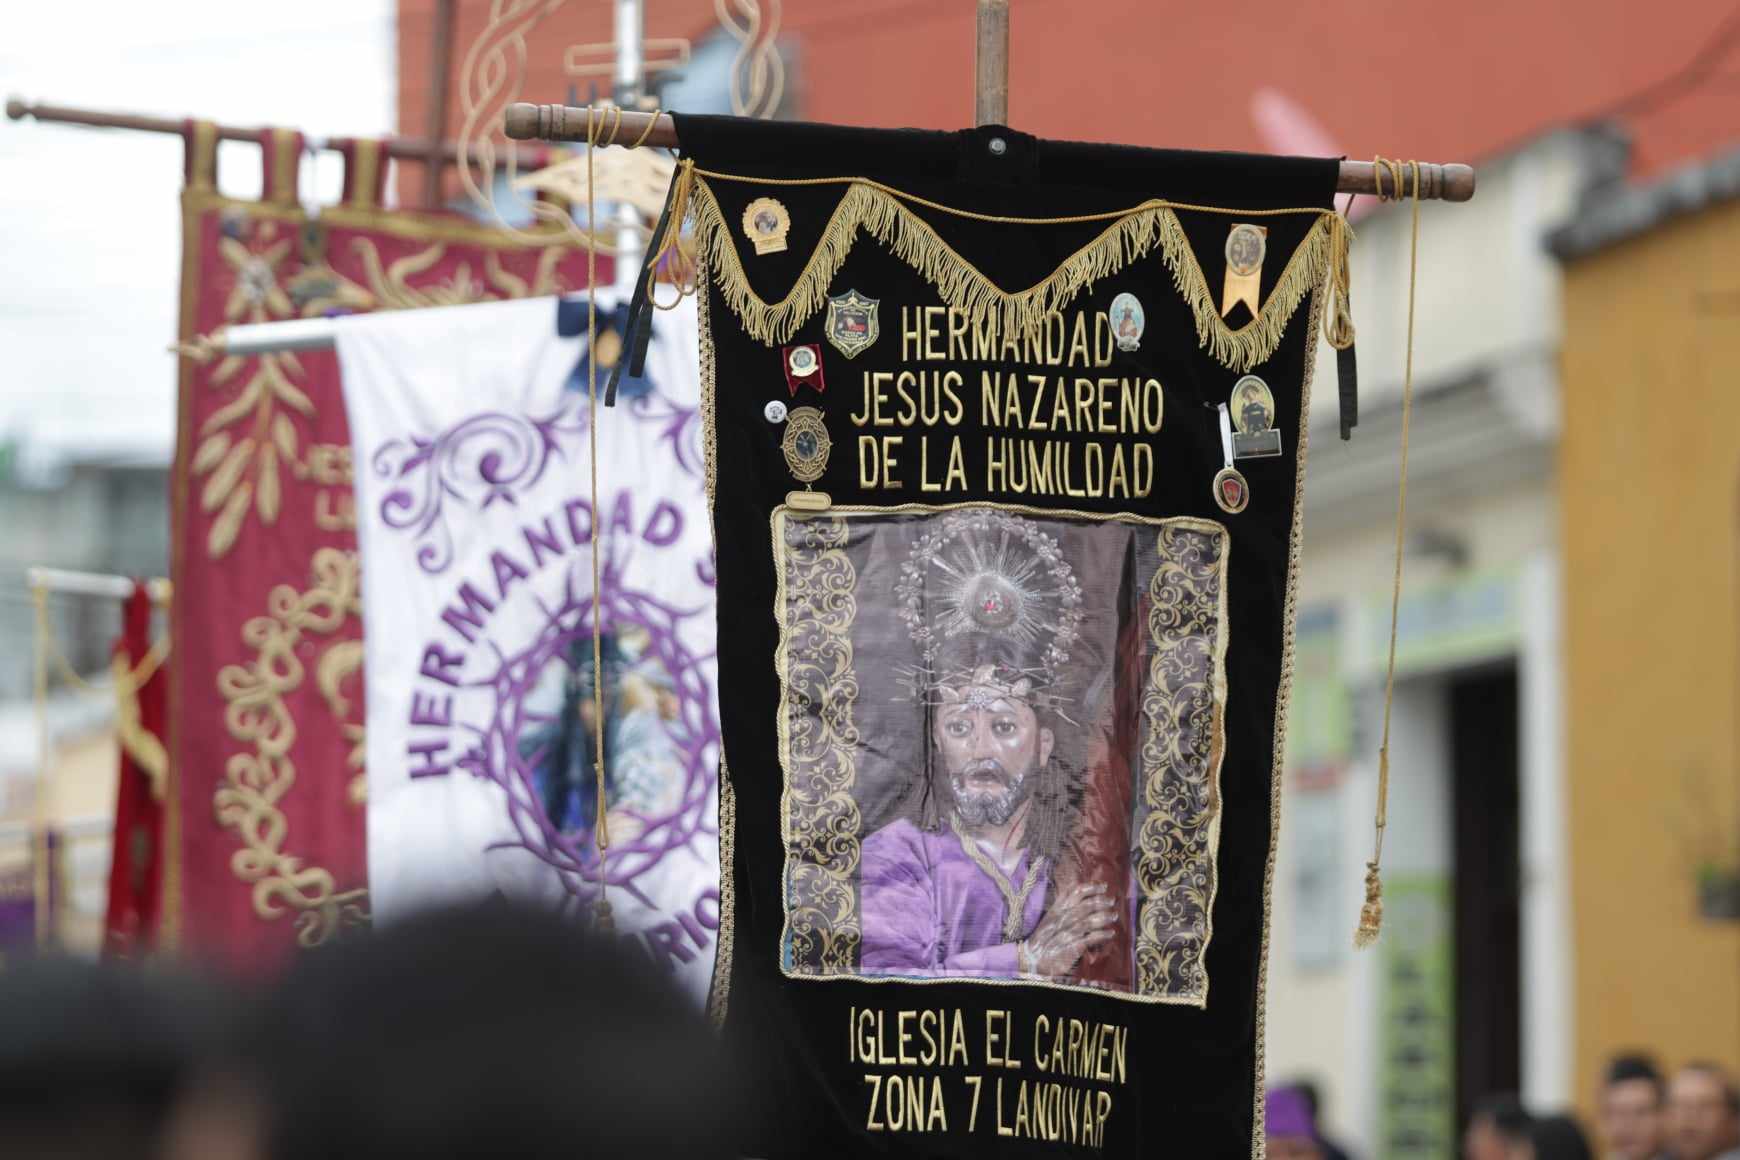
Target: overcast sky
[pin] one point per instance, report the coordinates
(89, 226)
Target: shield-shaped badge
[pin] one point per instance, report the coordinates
(851, 324)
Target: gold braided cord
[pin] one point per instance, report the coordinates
(1004, 219)
(134, 676)
(1372, 912)
(647, 132)
(671, 244)
(1016, 899)
(1132, 233)
(601, 831)
(1338, 319)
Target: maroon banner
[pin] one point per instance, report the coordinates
(265, 716)
(136, 867)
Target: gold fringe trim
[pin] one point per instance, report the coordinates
(963, 287)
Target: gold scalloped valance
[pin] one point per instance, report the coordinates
(883, 213)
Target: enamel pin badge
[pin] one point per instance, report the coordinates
(1253, 416)
(806, 446)
(1127, 321)
(803, 367)
(1231, 491)
(766, 222)
(851, 325)
(1246, 246)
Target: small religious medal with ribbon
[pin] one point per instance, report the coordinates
(806, 446)
(851, 323)
(1231, 491)
(803, 367)
(1128, 321)
(1246, 244)
(766, 222)
(1253, 416)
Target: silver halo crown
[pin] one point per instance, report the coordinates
(997, 575)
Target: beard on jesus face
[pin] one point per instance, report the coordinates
(987, 794)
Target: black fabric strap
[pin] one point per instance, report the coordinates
(1347, 377)
(639, 323)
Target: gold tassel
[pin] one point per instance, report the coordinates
(1371, 915)
(962, 286)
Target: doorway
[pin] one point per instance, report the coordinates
(1487, 908)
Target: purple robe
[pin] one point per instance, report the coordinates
(929, 909)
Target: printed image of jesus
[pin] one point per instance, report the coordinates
(970, 890)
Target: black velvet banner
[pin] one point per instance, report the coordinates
(1003, 688)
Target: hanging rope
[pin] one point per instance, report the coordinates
(1371, 914)
(601, 831)
(39, 806)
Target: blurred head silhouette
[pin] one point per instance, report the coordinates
(1498, 1130)
(1557, 1138)
(1290, 1126)
(93, 1058)
(1629, 1109)
(482, 1031)
(1703, 1113)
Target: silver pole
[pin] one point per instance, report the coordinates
(630, 87)
(269, 337)
(630, 53)
(91, 584)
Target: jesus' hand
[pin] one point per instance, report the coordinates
(1080, 919)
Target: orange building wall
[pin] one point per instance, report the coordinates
(1649, 485)
(1435, 81)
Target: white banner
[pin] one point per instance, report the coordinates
(469, 429)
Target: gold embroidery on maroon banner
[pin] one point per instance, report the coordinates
(250, 798)
(388, 285)
(247, 443)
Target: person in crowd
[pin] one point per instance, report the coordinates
(1555, 1138)
(468, 1032)
(1498, 1130)
(94, 1057)
(1313, 1101)
(1629, 1109)
(1703, 1114)
(1289, 1127)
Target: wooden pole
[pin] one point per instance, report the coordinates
(400, 148)
(440, 84)
(1448, 182)
(527, 122)
(991, 64)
